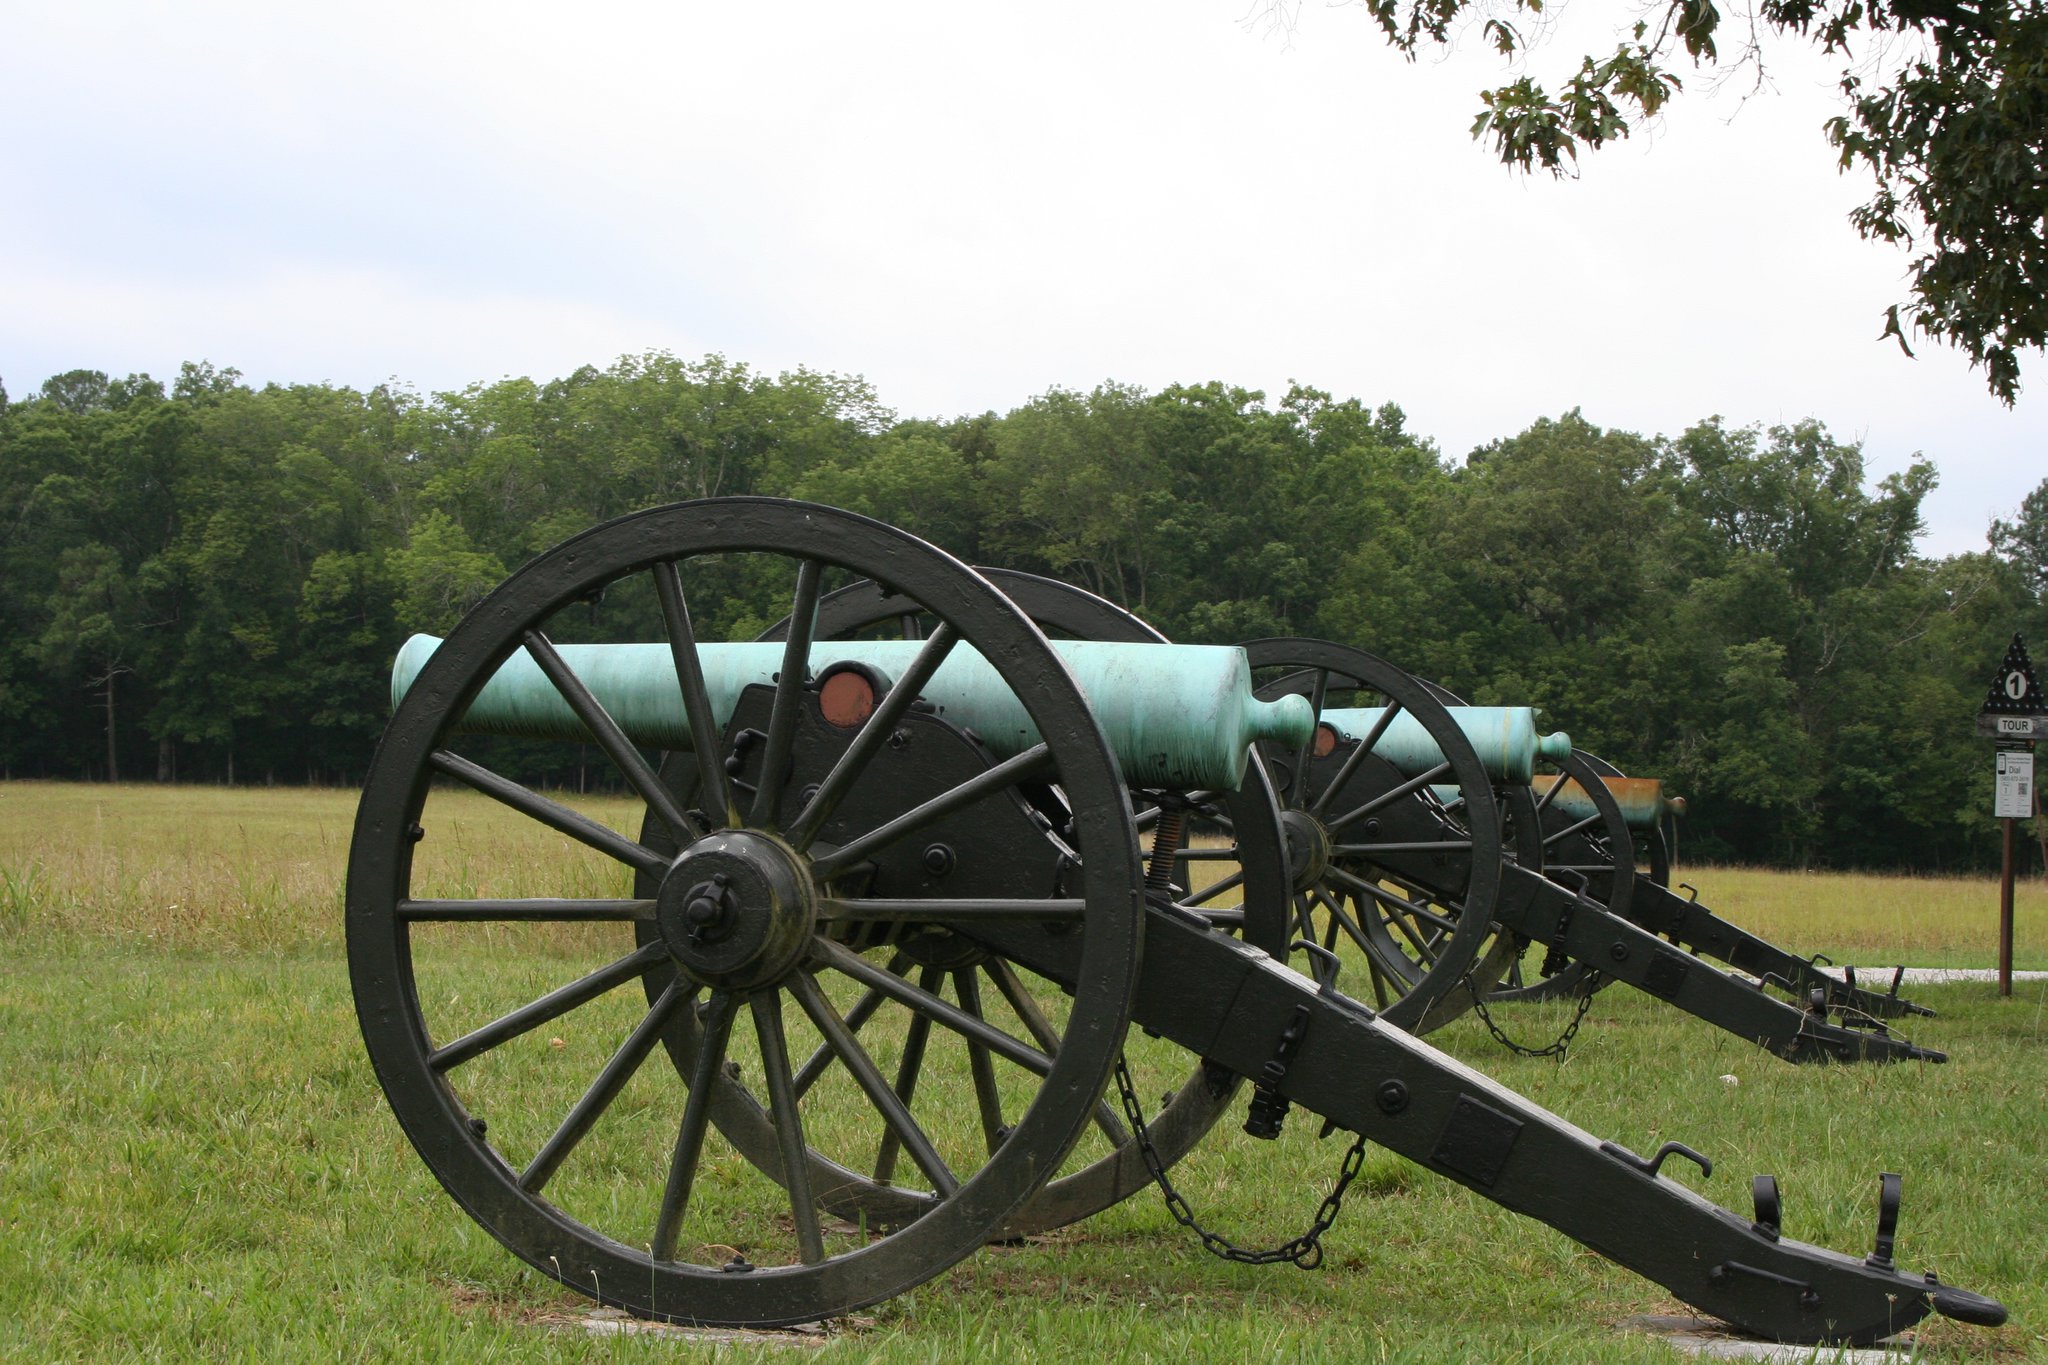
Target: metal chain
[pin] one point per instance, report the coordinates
(1563, 1042)
(1305, 1251)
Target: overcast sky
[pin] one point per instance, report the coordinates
(967, 204)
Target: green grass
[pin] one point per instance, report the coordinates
(195, 1162)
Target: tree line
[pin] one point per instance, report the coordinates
(207, 582)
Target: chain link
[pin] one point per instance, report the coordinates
(1305, 1251)
(1557, 1048)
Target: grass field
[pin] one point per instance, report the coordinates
(195, 1162)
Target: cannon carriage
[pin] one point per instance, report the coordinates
(935, 854)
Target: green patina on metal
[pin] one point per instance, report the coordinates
(1505, 737)
(1175, 715)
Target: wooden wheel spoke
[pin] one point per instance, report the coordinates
(1039, 1027)
(1215, 889)
(1354, 758)
(1570, 830)
(789, 686)
(1380, 954)
(1297, 788)
(848, 963)
(610, 1081)
(862, 1067)
(1343, 919)
(714, 792)
(934, 910)
(789, 1128)
(536, 909)
(1413, 909)
(1414, 846)
(1425, 949)
(988, 1100)
(625, 756)
(863, 1009)
(872, 735)
(550, 1006)
(1389, 796)
(1304, 918)
(908, 1067)
(1033, 762)
(689, 1148)
(554, 815)
(1379, 981)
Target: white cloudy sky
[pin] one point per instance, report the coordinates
(968, 204)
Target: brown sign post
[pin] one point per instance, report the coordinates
(2015, 715)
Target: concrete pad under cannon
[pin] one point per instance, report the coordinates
(1711, 1340)
(1880, 978)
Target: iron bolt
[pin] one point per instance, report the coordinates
(1618, 951)
(708, 911)
(938, 860)
(1392, 1097)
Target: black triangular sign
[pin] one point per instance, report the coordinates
(2014, 689)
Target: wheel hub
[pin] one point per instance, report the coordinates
(1308, 848)
(737, 909)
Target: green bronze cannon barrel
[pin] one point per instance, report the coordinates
(1179, 716)
(1505, 737)
(1642, 800)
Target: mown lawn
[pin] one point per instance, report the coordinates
(195, 1162)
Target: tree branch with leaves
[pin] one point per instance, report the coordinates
(1951, 123)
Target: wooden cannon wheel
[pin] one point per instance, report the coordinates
(632, 1200)
(1354, 864)
(1108, 1167)
(1540, 838)
(1591, 852)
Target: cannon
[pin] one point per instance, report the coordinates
(1580, 818)
(1683, 920)
(1562, 894)
(852, 838)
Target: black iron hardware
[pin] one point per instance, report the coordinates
(1763, 1193)
(1809, 1297)
(1652, 1165)
(1304, 1251)
(1889, 1188)
(1269, 1107)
